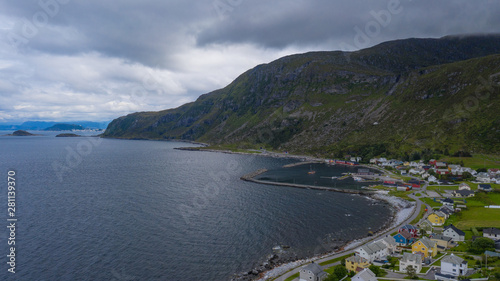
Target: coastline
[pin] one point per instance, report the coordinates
(401, 211)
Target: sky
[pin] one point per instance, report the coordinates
(64, 60)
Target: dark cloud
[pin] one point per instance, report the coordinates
(103, 58)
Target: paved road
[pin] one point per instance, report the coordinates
(339, 254)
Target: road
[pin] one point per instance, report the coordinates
(387, 232)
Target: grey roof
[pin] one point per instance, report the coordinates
(464, 192)
(457, 231)
(491, 231)
(446, 210)
(314, 268)
(427, 242)
(373, 247)
(356, 259)
(389, 240)
(409, 257)
(440, 237)
(366, 275)
(484, 186)
(405, 234)
(440, 214)
(453, 259)
(447, 200)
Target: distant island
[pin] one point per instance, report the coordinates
(64, 127)
(67, 135)
(21, 133)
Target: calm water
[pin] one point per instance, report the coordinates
(91, 209)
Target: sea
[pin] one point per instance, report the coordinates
(88, 208)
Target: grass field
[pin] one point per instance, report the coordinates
(296, 275)
(476, 215)
(476, 161)
(431, 202)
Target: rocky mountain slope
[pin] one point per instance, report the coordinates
(394, 98)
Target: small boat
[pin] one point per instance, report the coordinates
(311, 172)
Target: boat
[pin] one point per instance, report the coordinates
(311, 171)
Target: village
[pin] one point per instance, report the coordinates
(454, 236)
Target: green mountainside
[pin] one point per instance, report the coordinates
(396, 98)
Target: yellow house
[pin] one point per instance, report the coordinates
(353, 262)
(437, 218)
(425, 246)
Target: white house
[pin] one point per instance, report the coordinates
(483, 177)
(492, 233)
(410, 259)
(365, 275)
(312, 272)
(432, 179)
(454, 233)
(373, 251)
(453, 265)
(390, 243)
(463, 186)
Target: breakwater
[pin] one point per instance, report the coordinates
(251, 178)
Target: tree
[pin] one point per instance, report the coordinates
(481, 244)
(377, 270)
(340, 271)
(411, 272)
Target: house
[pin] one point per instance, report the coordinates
(484, 187)
(483, 177)
(442, 171)
(410, 228)
(409, 259)
(453, 265)
(440, 165)
(365, 275)
(464, 186)
(492, 233)
(463, 193)
(353, 263)
(425, 246)
(436, 218)
(432, 179)
(312, 272)
(454, 233)
(390, 243)
(372, 251)
(404, 238)
(447, 202)
(426, 226)
(447, 211)
(442, 241)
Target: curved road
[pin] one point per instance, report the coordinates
(386, 232)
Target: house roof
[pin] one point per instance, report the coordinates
(408, 226)
(446, 210)
(457, 231)
(373, 247)
(491, 231)
(485, 186)
(440, 237)
(366, 275)
(439, 214)
(389, 240)
(409, 257)
(405, 234)
(464, 192)
(427, 242)
(453, 259)
(356, 259)
(314, 268)
(447, 200)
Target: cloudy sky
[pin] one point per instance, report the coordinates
(63, 60)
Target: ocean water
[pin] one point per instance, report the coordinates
(105, 209)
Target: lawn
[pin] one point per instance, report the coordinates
(334, 260)
(476, 161)
(296, 275)
(476, 217)
(431, 202)
(417, 219)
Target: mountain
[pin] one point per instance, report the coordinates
(396, 98)
(41, 125)
(64, 127)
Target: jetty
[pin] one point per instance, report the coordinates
(303, 186)
(252, 175)
(301, 163)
